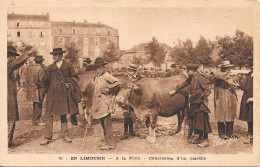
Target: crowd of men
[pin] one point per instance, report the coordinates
(59, 84)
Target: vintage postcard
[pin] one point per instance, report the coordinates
(129, 83)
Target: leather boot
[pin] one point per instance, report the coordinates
(131, 128)
(126, 123)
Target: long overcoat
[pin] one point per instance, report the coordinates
(246, 109)
(225, 98)
(35, 74)
(103, 101)
(58, 98)
(13, 114)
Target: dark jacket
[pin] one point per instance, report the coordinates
(58, 98)
(12, 109)
(246, 109)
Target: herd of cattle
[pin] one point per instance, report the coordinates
(148, 97)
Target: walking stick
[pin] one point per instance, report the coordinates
(84, 138)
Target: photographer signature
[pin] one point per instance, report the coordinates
(218, 141)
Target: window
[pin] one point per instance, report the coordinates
(73, 30)
(60, 30)
(42, 34)
(61, 41)
(97, 42)
(74, 39)
(30, 34)
(18, 24)
(108, 32)
(86, 41)
(18, 34)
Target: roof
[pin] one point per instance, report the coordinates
(141, 47)
(79, 24)
(28, 17)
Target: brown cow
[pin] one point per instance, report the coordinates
(149, 98)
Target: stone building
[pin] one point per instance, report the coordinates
(91, 38)
(34, 30)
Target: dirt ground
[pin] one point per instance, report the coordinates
(28, 137)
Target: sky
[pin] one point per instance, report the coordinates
(139, 24)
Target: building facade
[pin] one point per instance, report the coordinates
(34, 30)
(91, 39)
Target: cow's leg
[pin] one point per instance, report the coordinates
(152, 134)
(180, 116)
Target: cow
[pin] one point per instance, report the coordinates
(149, 98)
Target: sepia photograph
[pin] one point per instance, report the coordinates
(149, 81)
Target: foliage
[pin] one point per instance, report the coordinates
(140, 60)
(112, 53)
(72, 53)
(239, 49)
(155, 53)
(24, 48)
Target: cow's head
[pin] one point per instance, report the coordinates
(126, 93)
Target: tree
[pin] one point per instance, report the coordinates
(156, 53)
(72, 54)
(243, 49)
(24, 48)
(239, 49)
(182, 53)
(139, 60)
(112, 53)
(202, 52)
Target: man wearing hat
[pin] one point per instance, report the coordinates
(56, 81)
(88, 66)
(131, 77)
(35, 74)
(198, 114)
(246, 107)
(105, 88)
(13, 64)
(225, 100)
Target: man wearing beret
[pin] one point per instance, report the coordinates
(198, 114)
(58, 99)
(12, 110)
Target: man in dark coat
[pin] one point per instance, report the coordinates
(35, 74)
(12, 110)
(198, 114)
(246, 108)
(131, 77)
(56, 81)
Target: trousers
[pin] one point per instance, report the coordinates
(106, 123)
(49, 126)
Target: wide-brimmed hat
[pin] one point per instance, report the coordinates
(88, 60)
(133, 67)
(12, 51)
(38, 58)
(99, 61)
(225, 64)
(57, 51)
(193, 66)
